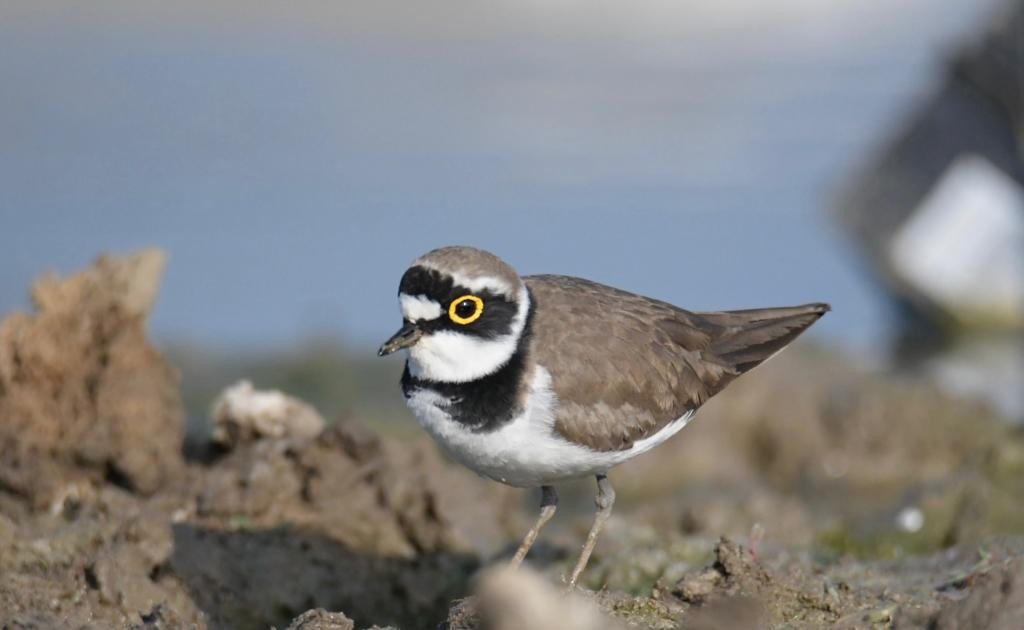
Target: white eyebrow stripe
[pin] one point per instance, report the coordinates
(484, 283)
(478, 283)
(419, 307)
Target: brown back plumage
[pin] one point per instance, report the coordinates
(623, 365)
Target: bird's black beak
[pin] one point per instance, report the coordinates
(406, 336)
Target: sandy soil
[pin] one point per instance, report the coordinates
(846, 499)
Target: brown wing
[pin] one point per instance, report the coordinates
(623, 365)
(744, 339)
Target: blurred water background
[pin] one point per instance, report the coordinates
(293, 158)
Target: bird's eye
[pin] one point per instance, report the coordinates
(466, 309)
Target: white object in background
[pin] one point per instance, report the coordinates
(242, 413)
(910, 519)
(963, 246)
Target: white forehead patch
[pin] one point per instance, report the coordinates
(418, 307)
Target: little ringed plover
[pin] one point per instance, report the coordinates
(533, 380)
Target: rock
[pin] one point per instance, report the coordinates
(696, 588)
(513, 599)
(733, 571)
(320, 619)
(84, 396)
(244, 414)
(462, 615)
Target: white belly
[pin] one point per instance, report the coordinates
(526, 451)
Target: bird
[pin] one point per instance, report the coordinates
(535, 380)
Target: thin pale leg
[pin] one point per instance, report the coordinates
(604, 500)
(548, 505)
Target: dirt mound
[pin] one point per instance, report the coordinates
(952, 589)
(739, 589)
(990, 595)
(270, 529)
(282, 515)
(99, 565)
(345, 522)
(812, 448)
(343, 484)
(83, 394)
(251, 540)
(810, 420)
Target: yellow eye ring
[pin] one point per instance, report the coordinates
(477, 312)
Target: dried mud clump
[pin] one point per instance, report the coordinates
(343, 484)
(737, 591)
(83, 394)
(103, 567)
(320, 619)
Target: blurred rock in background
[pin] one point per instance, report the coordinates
(940, 213)
(83, 393)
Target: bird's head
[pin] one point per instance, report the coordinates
(463, 313)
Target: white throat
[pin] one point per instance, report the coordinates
(450, 356)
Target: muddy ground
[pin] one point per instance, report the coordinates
(810, 494)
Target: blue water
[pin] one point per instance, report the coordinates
(293, 163)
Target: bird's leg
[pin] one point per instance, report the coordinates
(605, 499)
(548, 505)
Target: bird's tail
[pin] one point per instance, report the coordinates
(747, 338)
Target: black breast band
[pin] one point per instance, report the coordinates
(490, 402)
